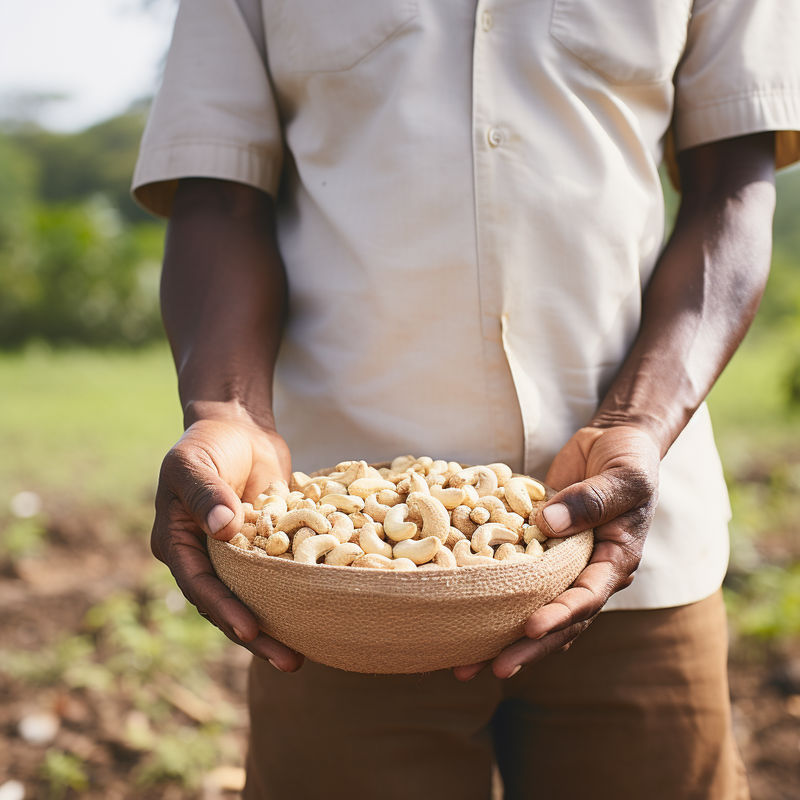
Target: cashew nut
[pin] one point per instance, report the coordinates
(315, 547)
(471, 496)
(326, 509)
(503, 472)
(275, 506)
(250, 514)
(435, 519)
(242, 542)
(445, 559)
(343, 554)
(388, 497)
(509, 519)
(492, 533)
(300, 536)
(264, 525)
(276, 544)
(419, 552)
(491, 503)
(535, 548)
(482, 478)
(449, 498)
(312, 491)
(373, 561)
(278, 489)
(293, 499)
(303, 517)
(506, 550)
(520, 494)
(333, 487)
(395, 525)
(403, 565)
(375, 508)
(370, 542)
(480, 515)
(299, 481)
(402, 463)
(532, 533)
(455, 536)
(413, 482)
(341, 526)
(260, 542)
(249, 531)
(461, 520)
(360, 519)
(356, 470)
(345, 502)
(364, 487)
(464, 557)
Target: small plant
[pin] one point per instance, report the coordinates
(61, 772)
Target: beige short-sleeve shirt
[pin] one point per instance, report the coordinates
(469, 211)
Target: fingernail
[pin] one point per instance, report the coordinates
(218, 518)
(515, 670)
(238, 633)
(275, 665)
(557, 517)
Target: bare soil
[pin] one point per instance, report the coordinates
(43, 600)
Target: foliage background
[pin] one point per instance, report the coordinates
(88, 408)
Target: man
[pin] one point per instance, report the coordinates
(447, 218)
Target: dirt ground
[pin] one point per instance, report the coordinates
(42, 599)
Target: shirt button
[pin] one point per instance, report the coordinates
(495, 137)
(487, 21)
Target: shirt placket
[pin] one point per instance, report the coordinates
(492, 133)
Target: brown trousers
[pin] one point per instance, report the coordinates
(637, 709)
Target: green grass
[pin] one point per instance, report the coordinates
(85, 427)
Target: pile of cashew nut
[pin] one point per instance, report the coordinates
(417, 514)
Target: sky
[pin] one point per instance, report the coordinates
(102, 55)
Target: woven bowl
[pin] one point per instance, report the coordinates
(379, 621)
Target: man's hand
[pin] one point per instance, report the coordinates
(609, 482)
(202, 478)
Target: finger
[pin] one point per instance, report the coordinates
(189, 474)
(596, 501)
(468, 671)
(525, 652)
(609, 570)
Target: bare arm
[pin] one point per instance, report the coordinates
(223, 301)
(699, 304)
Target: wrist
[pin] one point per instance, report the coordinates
(233, 412)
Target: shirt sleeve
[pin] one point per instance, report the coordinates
(740, 74)
(215, 114)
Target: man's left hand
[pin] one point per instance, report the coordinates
(609, 482)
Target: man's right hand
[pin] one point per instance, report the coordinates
(203, 477)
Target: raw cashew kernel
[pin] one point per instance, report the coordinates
(402, 463)
(435, 518)
(471, 496)
(341, 526)
(369, 541)
(300, 536)
(249, 531)
(315, 547)
(461, 520)
(303, 517)
(520, 494)
(480, 515)
(275, 506)
(438, 467)
(395, 525)
(491, 534)
(531, 533)
(504, 551)
(509, 519)
(299, 481)
(414, 482)
(359, 518)
(535, 548)
(250, 514)
(375, 508)
(276, 544)
(503, 472)
(373, 561)
(388, 497)
(333, 487)
(313, 492)
(464, 557)
(487, 552)
(445, 559)
(293, 499)
(434, 479)
(278, 489)
(455, 536)
(260, 542)
(491, 504)
(403, 565)
(326, 509)
(265, 526)
(482, 478)
(242, 542)
(343, 555)
(419, 552)
(449, 498)
(364, 487)
(358, 469)
(345, 502)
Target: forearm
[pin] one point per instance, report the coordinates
(223, 300)
(704, 292)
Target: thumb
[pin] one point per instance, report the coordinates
(191, 477)
(595, 501)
